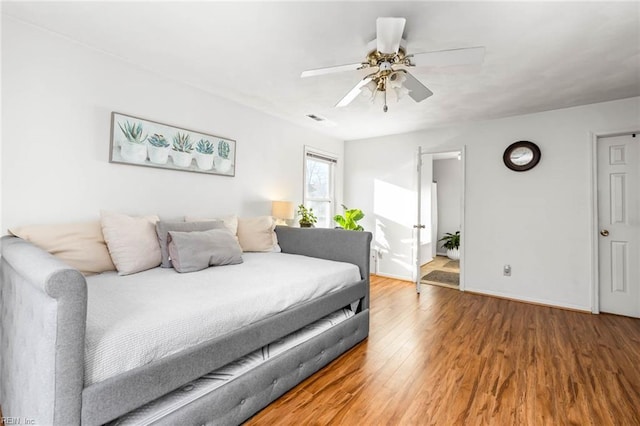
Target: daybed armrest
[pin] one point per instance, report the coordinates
(43, 307)
(331, 244)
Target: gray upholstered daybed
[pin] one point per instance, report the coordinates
(44, 332)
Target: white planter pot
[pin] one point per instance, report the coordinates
(133, 152)
(453, 254)
(222, 164)
(158, 155)
(204, 161)
(181, 159)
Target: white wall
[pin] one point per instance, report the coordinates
(510, 218)
(448, 174)
(57, 97)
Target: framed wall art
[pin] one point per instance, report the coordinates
(148, 143)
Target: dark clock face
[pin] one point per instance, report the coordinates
(521, 156)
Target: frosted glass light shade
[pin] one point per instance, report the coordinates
(282, 210)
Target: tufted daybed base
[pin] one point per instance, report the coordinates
(243, 397)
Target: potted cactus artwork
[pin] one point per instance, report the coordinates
(222, 161)
(158, 149)
(134, 148)
(141, 142)
(182, 149)
(204, 154)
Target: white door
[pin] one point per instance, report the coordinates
(434, 219)
(418, 226)
(619, 224)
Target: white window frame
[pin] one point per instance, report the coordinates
(327, 157)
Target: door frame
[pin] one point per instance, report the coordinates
(593, 220)
(463, 160)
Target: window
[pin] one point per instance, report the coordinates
(319, 194)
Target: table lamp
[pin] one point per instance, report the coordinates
(282, 211)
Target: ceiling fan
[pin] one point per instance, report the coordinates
(388, 54)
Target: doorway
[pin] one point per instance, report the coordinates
(440, 204)
(617, 184)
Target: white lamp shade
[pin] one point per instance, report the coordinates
(282, 210)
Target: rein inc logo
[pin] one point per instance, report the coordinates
(18, 421)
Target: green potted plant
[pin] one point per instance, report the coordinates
(181, 150)
(204, 154)
(452, 244)
(222, 161)
(133, 148)
(350, 219)
(307, 218)
(158, 149)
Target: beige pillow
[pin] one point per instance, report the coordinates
(257, 234)
(230, 222)
(132, 241)
(80, 245)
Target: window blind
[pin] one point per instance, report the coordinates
(322, 157)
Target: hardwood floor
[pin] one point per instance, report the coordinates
(448, 357)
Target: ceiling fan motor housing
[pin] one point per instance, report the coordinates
(376, 58)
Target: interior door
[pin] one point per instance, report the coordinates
(618, 222)
(418, 225)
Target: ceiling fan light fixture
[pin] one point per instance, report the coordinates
(401, 92)
(397, 79)
(369, 89)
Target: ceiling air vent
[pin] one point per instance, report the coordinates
(325, 122)
(315, 117)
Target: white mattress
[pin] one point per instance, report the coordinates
(161, 407)
(137, 319)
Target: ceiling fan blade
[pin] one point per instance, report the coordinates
(353, 93)
(389, 34)
(445, 58)
(330, 70)
(417, 90)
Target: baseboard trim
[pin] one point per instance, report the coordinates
(531, 301)
(395, 277)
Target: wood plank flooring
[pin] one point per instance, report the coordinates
(453, 358)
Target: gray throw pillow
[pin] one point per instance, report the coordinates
(194, 251)
(163, 228)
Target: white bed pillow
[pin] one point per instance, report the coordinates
(258, 234)
(132, 241)
(230, 222)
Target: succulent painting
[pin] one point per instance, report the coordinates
(204, 147)
(182, 143)
(223, 149)
(158, 141)
(133, 132)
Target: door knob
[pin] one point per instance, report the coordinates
(419, 226)
(604, 233)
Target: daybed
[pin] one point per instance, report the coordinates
(51, 314)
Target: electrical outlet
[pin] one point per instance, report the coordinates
(507, 270)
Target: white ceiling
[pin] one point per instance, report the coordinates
(539, 55)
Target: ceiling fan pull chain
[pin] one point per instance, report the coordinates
(385, 108)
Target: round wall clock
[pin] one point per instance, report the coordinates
(521, 156)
